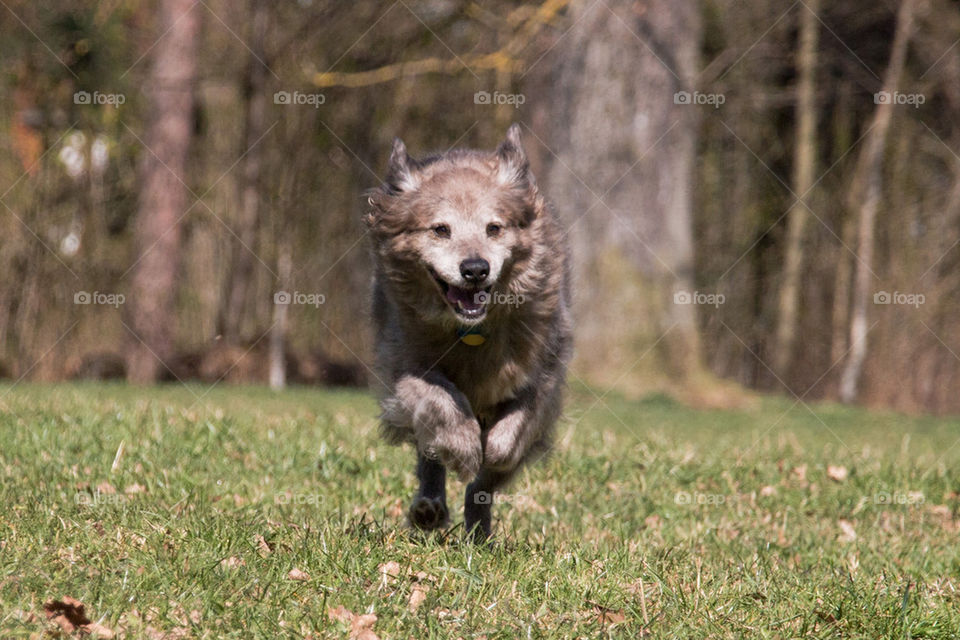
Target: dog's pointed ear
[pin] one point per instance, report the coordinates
(401, 168)
(513, 163)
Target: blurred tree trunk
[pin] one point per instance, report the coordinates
(621, 137)
(804, 161)
(844, 123)
(278, 331)
(163, 194)
(236, 305)
(864, 196)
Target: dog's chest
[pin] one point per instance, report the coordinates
(486, 375)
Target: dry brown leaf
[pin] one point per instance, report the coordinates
(134, 488)
(361, 622)
(417, 596)
(608, 616)
(836, 473)
(232, 562)
(847, 532)
(397, 510)
(97, 630)
(768, 491)
(106, 488)
(340, 613)
(801, 472)
(940, 510)
(390, 569)
(652, 521)
(360, 625)
(297, 574)
(263, 546)
(69, 614)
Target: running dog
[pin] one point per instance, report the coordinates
(471, 306)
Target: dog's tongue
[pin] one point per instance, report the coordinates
(466, 298)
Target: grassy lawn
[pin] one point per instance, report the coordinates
(243, 513)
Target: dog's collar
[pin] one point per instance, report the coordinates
(473, 336)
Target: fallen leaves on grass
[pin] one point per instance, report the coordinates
(944, 516)
(836, 473)
(361, 626)
(847, 532)
(106, 488)
(606, 616)
(297, 574)
(263, 547)
(389, 569)
(397, 509)
(417, 596)
(232, 562)
(69, 614)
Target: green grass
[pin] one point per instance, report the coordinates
(649, 517)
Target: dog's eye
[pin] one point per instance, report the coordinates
(493, 229)
(442, 230)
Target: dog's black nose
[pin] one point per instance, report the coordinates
(475, 269)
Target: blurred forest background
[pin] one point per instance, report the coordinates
(763, 194)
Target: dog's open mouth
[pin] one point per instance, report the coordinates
(470, 304)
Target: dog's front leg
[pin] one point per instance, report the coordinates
(429, 507)
(443, 425)
(479, 501)
(520, 424)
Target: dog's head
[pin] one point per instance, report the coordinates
(450, 230)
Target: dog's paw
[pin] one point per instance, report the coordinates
(458, 448)
(428, 513)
